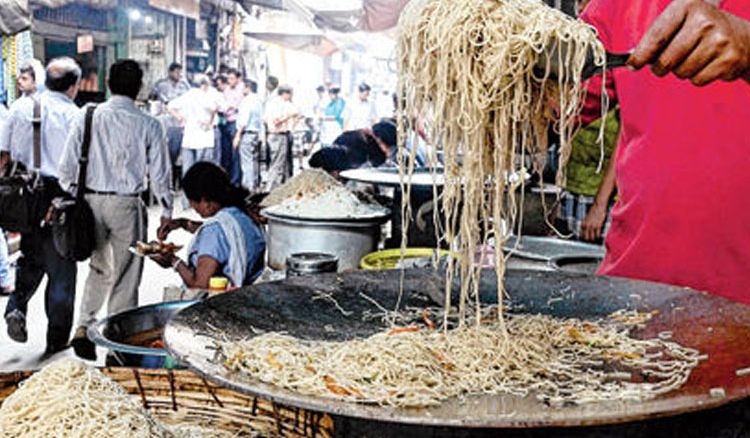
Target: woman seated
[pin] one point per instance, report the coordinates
(228, 244)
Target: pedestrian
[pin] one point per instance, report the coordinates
(40, 257)
(128, 151)
(230, 156)
(220, 85)
(248, 137)
(196, 112)
(363, 113)
(165, 91)
(281, 116)
(333, 117)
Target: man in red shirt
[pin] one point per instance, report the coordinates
(684, 155)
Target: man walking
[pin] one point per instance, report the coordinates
(127, 148)
(233, 95)
(167, 90)
(364, 113)
(40, 258)
(247, 140)
(281, 115)
(196, 112)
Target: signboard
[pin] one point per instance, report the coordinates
(85, 43)
(186, 8)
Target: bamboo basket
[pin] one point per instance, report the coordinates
(178, 397)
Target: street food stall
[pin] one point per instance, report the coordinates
(498, 334)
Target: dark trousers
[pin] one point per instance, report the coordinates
(39, 259)
(230, 156)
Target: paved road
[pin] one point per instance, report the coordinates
(15, 356)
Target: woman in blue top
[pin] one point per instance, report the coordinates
(228, 244)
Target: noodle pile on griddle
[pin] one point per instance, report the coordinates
(474, 66)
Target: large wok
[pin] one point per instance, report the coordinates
(715, 326)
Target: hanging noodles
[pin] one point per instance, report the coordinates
(69, 399)
(471, 66)
(474, 67)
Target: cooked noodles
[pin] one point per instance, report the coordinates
(70, 399)
(481, 69)
(560, 361)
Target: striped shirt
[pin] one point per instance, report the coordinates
(128, 147)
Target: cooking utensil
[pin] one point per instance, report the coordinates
(553, 56)
(545, 249)
(713, 325)
(348, 240)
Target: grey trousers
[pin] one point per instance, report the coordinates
(115, 273)
(278, 170)
(250, 160)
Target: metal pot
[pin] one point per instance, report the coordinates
(127, 334)
(349, 240)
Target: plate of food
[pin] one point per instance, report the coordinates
(144, 249)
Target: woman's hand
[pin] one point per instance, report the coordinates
(164, 260)
(696, 40)
(593, 225)
(167, 226)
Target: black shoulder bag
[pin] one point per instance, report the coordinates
(23, 199)
(72, 218)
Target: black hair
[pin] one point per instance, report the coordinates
(125, 78)
(331, 159)
(364, 87)
(28, 69)
(320, 89)
(252, 85)
(209, 182)
(386, 131)
(221, 78)
(334, 90)
(175, 66)
(272, 82)
(233, 71)
(285, 89)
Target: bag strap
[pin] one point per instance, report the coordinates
(83, 162)
(36, 122)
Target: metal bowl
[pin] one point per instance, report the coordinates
(125, 334)
(576, 264)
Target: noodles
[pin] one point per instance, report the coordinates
(482, 70)
(70, 399)
(474, 66)
(561, 361)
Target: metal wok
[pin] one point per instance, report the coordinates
(717, 327)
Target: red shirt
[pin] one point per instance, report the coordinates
(683, 167)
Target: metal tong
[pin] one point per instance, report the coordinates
(551, 62)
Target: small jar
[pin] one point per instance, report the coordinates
(311, 263)
(217, 284)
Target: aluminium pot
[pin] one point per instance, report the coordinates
(349, 240)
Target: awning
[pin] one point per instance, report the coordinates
(341, 15)
(184, 8)
(286, 29)
(15, 17)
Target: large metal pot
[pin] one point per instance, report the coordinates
(129, 336)
(349, 240)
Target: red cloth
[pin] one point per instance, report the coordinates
(683, 167)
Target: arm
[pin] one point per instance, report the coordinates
(697, 41)
(176, 224)
(592, 226)
(67, 169)
(197, 277)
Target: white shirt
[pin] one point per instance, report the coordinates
(279, 108)
(128, 147)
(17, 137)
(198, 107)
(250, 115)
(3, 115)
(362, 114)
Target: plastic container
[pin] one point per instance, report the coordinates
(390, 258)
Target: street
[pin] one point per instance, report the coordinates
(15, 356)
